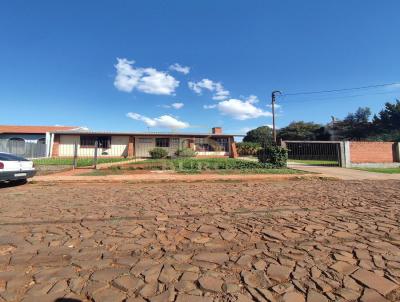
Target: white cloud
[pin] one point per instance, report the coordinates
(252, 99)
(219, 91)
(276, 105)
(210, 106)
(179, 68)
(177, 105)
(241, 110)
(394, 86)
(164, 121)
(147, 80)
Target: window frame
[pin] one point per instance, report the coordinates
(95, 140)
(162, 139)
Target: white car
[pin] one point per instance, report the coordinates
(15, 168)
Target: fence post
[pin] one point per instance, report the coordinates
(95, 155)
(75, 162)
(397, 150)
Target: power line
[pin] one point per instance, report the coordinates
(340, 90)
(335, 97)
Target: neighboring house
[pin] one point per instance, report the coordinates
(17, 139)
(138, 144)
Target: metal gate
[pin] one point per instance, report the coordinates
(22, 148)
(319, 153)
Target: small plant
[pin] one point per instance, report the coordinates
(248, 148)
(158, 153)
(273, 155)
(185, 152)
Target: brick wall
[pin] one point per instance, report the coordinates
(372, 152)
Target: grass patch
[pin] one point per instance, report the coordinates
(262, 171)
(381, 170)
(102, 172)
(315, 162)
(81, 162)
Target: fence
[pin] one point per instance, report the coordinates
(323, 153)
(23, 148)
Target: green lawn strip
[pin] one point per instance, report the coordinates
(81, 162)
(314, 162)
(381, 170)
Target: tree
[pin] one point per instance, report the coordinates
(355, 126)
(304, 131)
(261, 135)
(389, 118)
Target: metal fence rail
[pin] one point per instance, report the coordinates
(23, 148)
(318, 153)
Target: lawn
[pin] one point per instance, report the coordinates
(381, 170)
(81, 162)
(207, 165)
(315, 162)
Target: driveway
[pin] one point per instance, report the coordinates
(344, 173)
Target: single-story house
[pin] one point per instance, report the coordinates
(138, 144)
(17, 139)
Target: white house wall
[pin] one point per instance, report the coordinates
(119, 147)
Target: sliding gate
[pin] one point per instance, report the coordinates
(319, 153)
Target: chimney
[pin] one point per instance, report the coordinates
(217, 130)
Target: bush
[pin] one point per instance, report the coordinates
(273, 155)
(216, 164)
(157, 153)
(248, 148)
(185, 152)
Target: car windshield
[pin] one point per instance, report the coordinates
(11, 157)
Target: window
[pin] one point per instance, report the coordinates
(203, 145)
(162, 142)
(223, 143)
(89, 141)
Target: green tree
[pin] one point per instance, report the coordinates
(389, 118)
(261, 135)
(304, 131)
(355, 126)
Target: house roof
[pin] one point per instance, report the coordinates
(182, 134)
(33, 129)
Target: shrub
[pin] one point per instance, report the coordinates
(273, 155)
(216, 164)
(248, 148)
(185, 152)
(157, 153)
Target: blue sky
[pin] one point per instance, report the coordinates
(59, 62)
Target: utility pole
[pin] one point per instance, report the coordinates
(273, 100)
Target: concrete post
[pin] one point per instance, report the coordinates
(345, 158)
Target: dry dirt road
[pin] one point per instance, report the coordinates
(306, 240)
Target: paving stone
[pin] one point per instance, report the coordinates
(185, 286)
(279, 273)
(314, 296)
(372, 280)
(108, 274)
(293, 297)
(128, 283)
(370, 295)
(151, 275)
(168, 274)
(344, 267)
(348, 294)
(273, 234)
(191, 298)
(149, 290)
(189, 276)
(210, 284)
(245, 260)
(217, 258)
(256, 279)
(231, 288)
(108, 295)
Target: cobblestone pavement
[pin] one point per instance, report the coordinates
(290, 241)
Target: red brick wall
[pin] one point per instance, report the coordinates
(56, 145)
(371, 152)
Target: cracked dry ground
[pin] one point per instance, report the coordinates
(252, 241)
